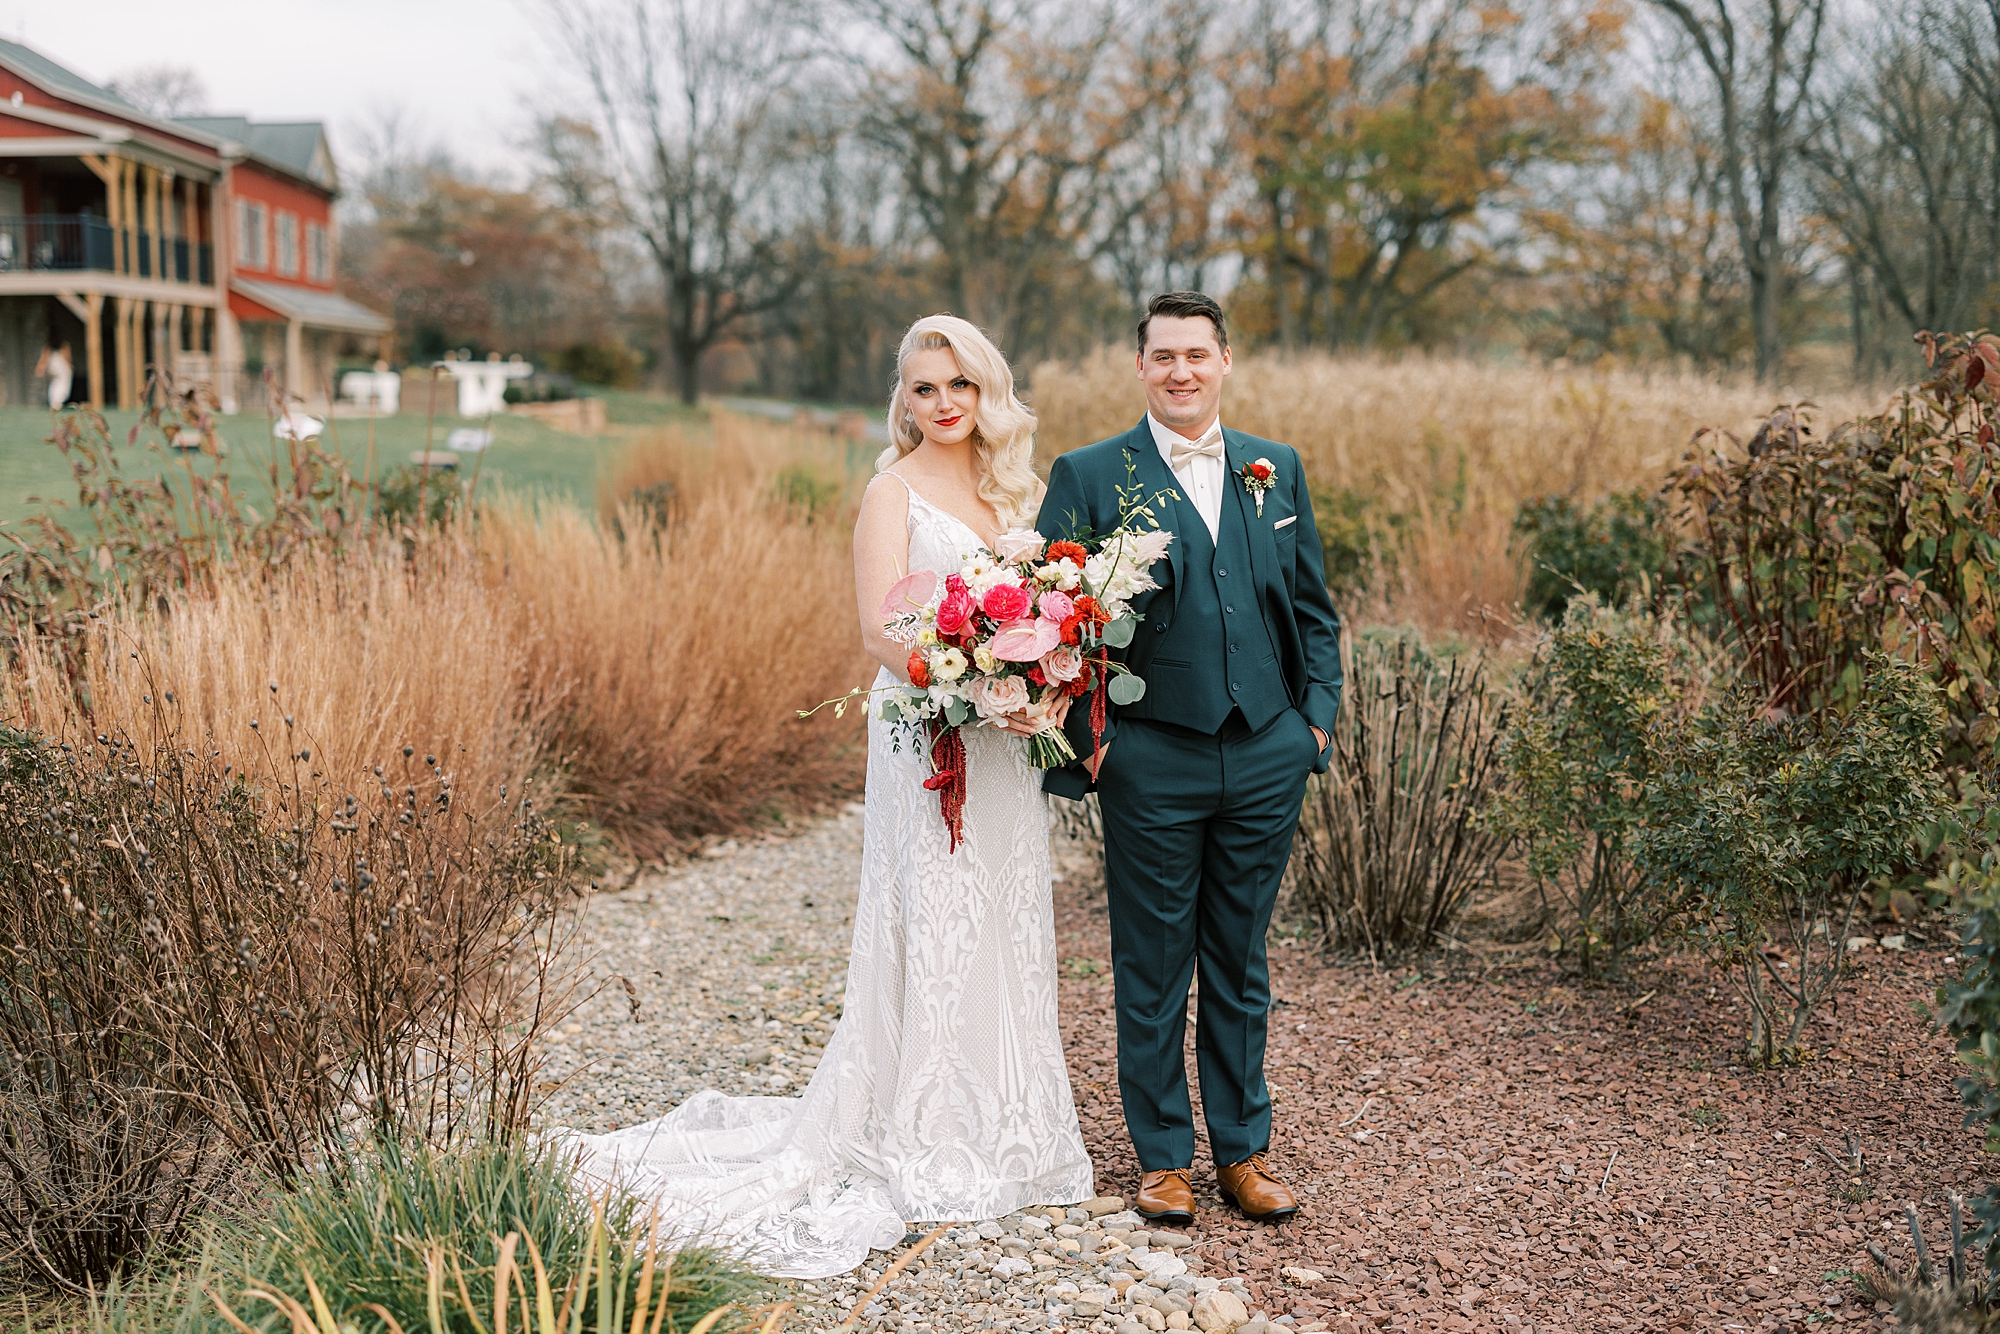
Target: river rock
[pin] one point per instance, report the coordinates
(1219, 1312)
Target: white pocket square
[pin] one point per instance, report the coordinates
(1289, 518)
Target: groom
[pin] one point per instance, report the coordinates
(1200, 781)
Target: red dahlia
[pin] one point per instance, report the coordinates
(1070, 551)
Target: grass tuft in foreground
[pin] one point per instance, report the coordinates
(413, 1241)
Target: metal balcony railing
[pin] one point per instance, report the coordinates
(83, 241)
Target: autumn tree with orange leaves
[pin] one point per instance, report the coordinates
(1377, 142)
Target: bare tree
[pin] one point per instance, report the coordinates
(999, 123)
(1168, 187)
(165, 91)
(1761, 57)
(685, 96)
(1907, 168)
(1637, 256)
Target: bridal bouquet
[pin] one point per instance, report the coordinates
(1018, 631)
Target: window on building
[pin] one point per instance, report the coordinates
(252, 251)
(288, 244)
(319, 254)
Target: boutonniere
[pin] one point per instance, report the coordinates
(1258, 477)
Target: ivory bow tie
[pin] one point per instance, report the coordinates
(1209, 446)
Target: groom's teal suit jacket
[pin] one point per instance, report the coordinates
(1287, 579)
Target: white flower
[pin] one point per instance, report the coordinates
(1019, 543)
(1097, 573)
(1063, 574)
(948, 665)
(981, 572)
(982, 657)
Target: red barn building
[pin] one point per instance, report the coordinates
(204, 247)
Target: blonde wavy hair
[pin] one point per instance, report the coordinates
(1003, 438)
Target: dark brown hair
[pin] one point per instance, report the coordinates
(1185, 305)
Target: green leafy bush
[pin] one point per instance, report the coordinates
(1610, 549)
(605, 361)
(1968, 1008)
(405, 492)
(1577, 766)
(806, 488)
(1766, 832)
(1358, 537)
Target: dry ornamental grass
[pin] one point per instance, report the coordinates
(650, 670)
(1439, 453)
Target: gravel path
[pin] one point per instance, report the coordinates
(727, 973)
(1480, 1145)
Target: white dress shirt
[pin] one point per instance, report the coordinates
(1201, 478)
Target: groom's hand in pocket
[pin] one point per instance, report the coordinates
(1320, 737)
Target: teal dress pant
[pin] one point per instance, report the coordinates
(1197, 831)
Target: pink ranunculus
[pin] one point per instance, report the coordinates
(912, 591)
(1005, 602)
(1058, 606)
(1062, 664)
(1025, 639)
(956, 609)
(998, 696)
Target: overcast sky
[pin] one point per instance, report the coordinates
(464, 71)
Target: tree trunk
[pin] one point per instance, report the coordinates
(1280, 278)
(1764, 312)
(1767, 280)
(687, 372)
(1856, 307)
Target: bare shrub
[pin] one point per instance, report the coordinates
(200, 978)
(164, 514)
(1388, 850)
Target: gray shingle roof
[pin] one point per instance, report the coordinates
(297, 146)
(322, 310)
(50, 75)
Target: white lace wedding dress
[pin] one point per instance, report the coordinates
(942, 1094)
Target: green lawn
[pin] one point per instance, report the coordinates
(526, 457)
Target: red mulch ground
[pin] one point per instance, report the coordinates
(1501, 1094)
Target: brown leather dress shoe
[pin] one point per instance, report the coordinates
(1250, 1186)
(1166, 1197)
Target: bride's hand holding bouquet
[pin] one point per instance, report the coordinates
(1012, 639)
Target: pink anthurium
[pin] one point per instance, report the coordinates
(1025, 639)
(912, 591)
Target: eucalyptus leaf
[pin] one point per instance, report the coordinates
(1119, 633)
(956, 712)
(891, 712)
(1126, 688)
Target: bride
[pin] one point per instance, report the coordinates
(942, 1094)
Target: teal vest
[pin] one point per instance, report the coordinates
(1212, 652)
